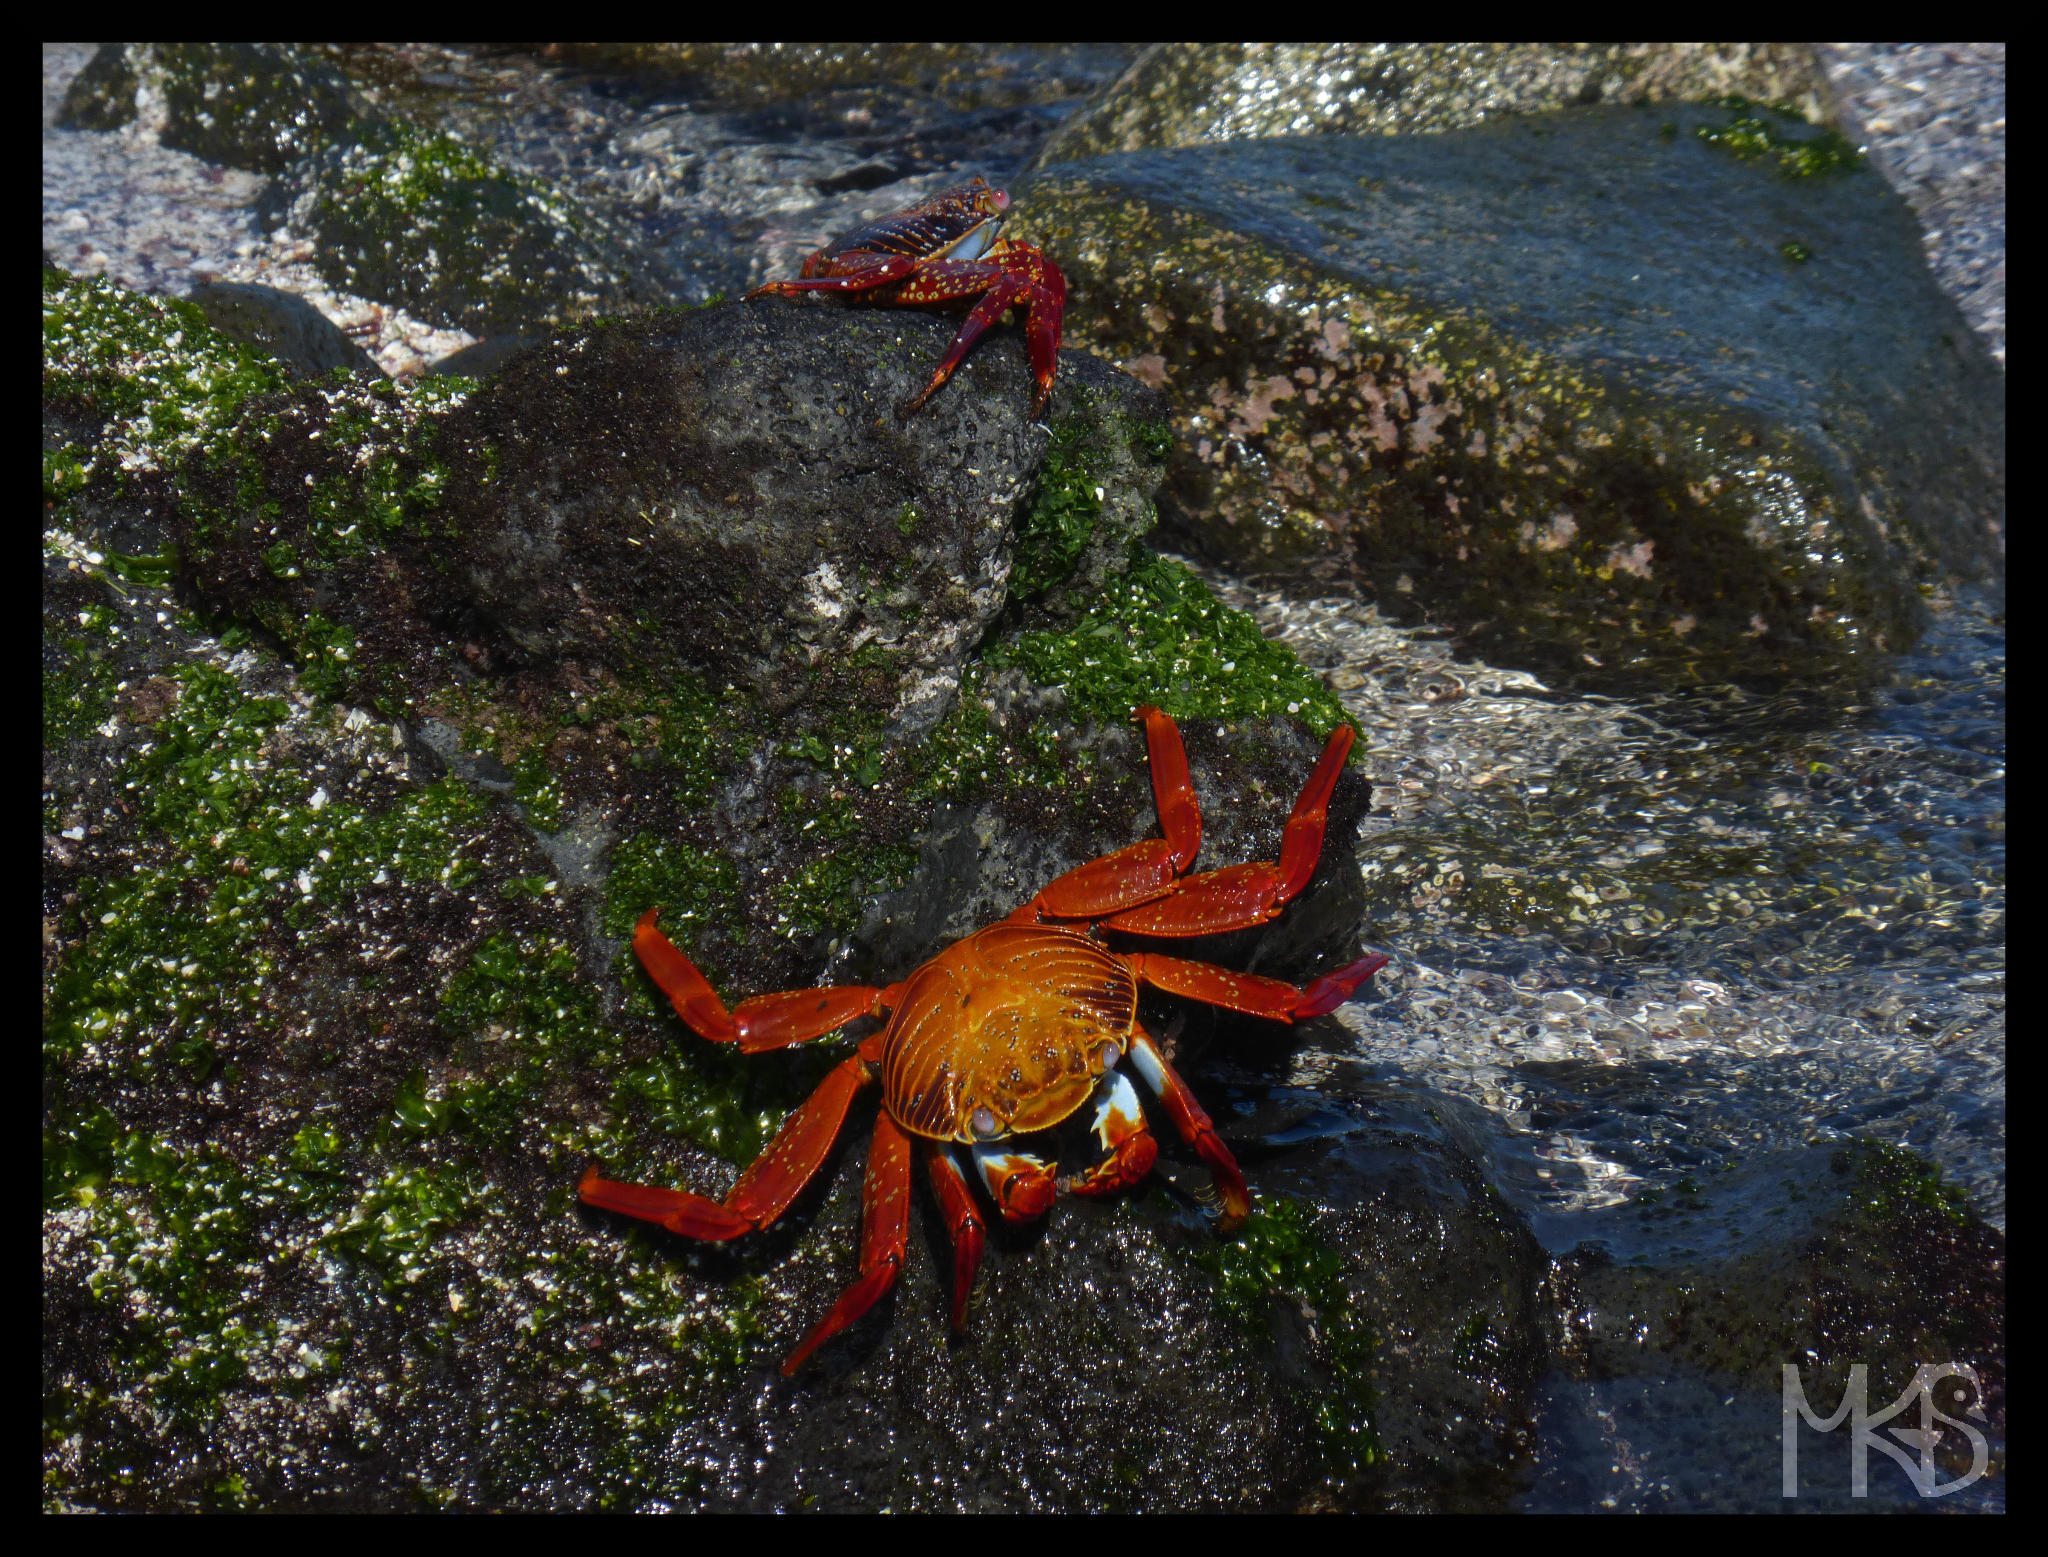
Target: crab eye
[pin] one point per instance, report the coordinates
(1109, 1054)
(985, 1124)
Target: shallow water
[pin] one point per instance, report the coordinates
(1835, 962)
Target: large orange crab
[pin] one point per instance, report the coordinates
(940, 251)
(1005, 1033)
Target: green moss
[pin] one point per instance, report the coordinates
(163, 380)
(1277, 1252)
(398, 1218)
(325, 652)
(1065, 509)
(530, 1015)
(181, 948)
(1061, 519)
(693, 889)
(1795, 251)
(618, 1427)
(828, 894)
(674, 720)
(535, 787)
(177, 1240)
(964, 754)
(1751, 135)
(1893, 1181)
(908, 519)
(717, 1098)
(81, 664)
(431, 221)
(1157, 635)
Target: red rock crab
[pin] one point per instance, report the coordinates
(1006, 1033)
(943, 250)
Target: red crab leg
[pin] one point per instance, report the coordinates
(1240, 896)
(1194, 1125)
(1016, 277)
(1120, 1126)
(884, 1237)
(963, 1223)
(765, 1190)
(854, 273)
(1141, 871)
(1249, 993)
(763, 1022)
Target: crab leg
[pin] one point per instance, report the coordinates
(765, 1190)
(855, 273)
(1018, 278)
(1120, 1127)
(760, 1023)
(1194, 1125)
(884, 1237)
(963, 1223)
(1240, 896)
(1251, 994)
(1142, 871)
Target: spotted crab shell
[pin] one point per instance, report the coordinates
(1005, 1032)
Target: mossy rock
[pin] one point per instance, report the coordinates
(433, 223)
(1181, 94)
(1554, 381)
(258, 106)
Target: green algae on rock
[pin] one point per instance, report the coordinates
(259, 106)
(1180, 94)
(1468, 368)
(428, 221)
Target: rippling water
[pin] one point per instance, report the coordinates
(1781, 920)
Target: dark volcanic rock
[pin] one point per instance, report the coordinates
(736, 482)
(1593, 385)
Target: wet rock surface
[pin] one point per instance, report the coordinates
(1689, 1064)
(280, 325)
(1366, 338)
(1179, 94)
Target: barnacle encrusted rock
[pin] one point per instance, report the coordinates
(1181, 94)
(1668, 386)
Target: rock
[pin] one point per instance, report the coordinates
(486, 357)
(1181, 94)
(337, 1004)
(433, 223)
(1871, 1269)
(259, 106)
(736, 482)
(962, 76)
(286, 326)
(1467, 367)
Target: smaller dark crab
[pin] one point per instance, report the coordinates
(942, 250)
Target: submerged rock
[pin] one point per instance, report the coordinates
(1612, 385)
(1181, 94)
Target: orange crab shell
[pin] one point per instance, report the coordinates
(1016, 1024)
